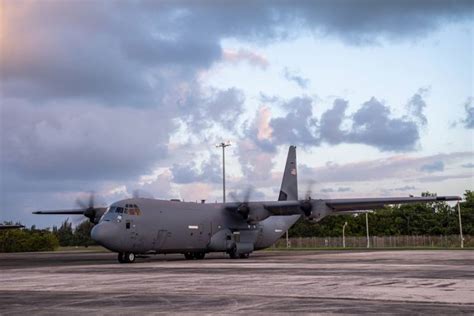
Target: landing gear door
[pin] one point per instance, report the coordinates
(160, 239)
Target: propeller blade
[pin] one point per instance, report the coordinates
(309, 189)
(247, 194)
(81, 204)
(91, 199)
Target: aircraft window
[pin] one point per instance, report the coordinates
(133, 209)
(112, 209)
(119, 210)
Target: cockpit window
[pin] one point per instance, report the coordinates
(132, 209)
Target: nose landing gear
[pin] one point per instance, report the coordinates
(126, 257)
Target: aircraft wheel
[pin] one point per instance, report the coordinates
(233, 253)
(120, 257)
(244, 255)
(189, 256)
(199, 255)
(129, 257)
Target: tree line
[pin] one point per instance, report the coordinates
(33, 239)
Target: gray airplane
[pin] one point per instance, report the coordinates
(150, 226)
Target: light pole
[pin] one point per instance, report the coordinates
(367, 228)
(223, 145)
(460, 225)
(344, 235)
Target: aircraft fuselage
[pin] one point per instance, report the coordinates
(143, 226)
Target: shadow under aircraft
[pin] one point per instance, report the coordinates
(152, 226)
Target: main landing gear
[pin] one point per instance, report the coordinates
(126, 257)
(194, 255)
(234, 255)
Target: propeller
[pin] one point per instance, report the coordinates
(306, 205)
(89, 210)
(243, 209)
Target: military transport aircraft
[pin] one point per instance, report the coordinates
(150, 226)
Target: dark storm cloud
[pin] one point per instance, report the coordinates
(77, 143)
(294, 77)
(127, 52)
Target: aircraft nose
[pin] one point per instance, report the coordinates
(104, 234)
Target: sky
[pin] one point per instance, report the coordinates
(130, 97)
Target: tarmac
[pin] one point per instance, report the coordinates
(269, 282)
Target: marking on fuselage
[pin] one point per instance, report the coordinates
(278, 230)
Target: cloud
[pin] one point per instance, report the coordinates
(209, 171)
(126, 52)
(292, 76)
(340, 190)
(372, 124)
(201, 109)
(241, 55)
(468, 165)
(81, 142)
(468, 121)
(92, 91)
(404, 188)
(444, 177)
(394, 167)
(434, 166)
(256, 164)
(417, 104)
(299, 126)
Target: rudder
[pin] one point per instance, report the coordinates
(289, 184)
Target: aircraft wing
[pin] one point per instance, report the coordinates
(341, 206)
(345, 205)
(61, 212)
(92, 213)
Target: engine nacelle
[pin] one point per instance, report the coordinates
(317, 211)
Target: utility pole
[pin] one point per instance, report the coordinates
(460, 225)
(223, 145)
(367, 228)
(344, 235)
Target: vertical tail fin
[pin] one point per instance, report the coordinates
(289, 185)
